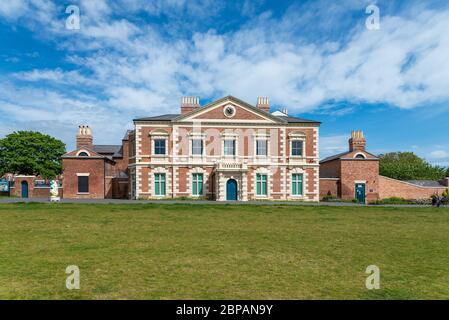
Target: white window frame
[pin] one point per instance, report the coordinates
(266, 172)
(159, 135)
(88, 183)
(228, 137)
(191, 184)
(291, 185)
(267, 140)
(197, 136)
(165, 185)
(297, 136)
(305, 181)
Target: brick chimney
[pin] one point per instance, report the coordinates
(84, 138)
(263, 103)
(357, 141)
(189, 104)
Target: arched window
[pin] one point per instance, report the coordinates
(360, 156)
(83, 154)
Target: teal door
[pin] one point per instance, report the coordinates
(231, 190)
(24, 189)
(360, 192)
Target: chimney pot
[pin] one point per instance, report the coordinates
(263, 103)
(357, 141)
(189, 104)
(84, 139)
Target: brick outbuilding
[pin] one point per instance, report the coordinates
(96, 171)
(353, 174)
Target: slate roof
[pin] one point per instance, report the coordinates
(173, 117)
(106, 149)
(343, 154)
(109, 151)
(426, 183)
(170, 117)
(334, 157)
(164, 117)
(296, 119)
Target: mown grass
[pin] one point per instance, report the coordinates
(163, 251)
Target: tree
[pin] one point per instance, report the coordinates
(447, 172)
(31, 153)
(408, 166)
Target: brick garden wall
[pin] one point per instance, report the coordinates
(395, 188)
(329, 185)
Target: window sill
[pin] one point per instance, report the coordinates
(83, 193)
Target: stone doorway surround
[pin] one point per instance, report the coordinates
(226, 170)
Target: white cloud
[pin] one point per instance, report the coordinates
(439, 154)
(331, 145)
(136, 69)
(12, 9)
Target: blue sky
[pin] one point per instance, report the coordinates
(135, 58)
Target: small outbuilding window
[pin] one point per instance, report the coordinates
(83, 184)
(83, 154)
(360, 156)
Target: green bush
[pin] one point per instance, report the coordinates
(408, 166)
(446, 193)
(394, 200)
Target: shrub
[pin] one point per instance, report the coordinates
(446, 193)
(394, 200)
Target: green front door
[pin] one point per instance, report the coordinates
(360, 192)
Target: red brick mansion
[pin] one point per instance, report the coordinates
(227, 150)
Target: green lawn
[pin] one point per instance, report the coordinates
(222, 251)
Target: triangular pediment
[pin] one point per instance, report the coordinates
(229, 109)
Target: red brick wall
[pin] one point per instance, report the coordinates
(311, 178)
(276, 180)
(330, 169)
(182, 181)
(329, 185)
(95, 167)
(32, 191)
(394, 188)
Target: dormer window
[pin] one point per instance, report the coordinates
(360, 156)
